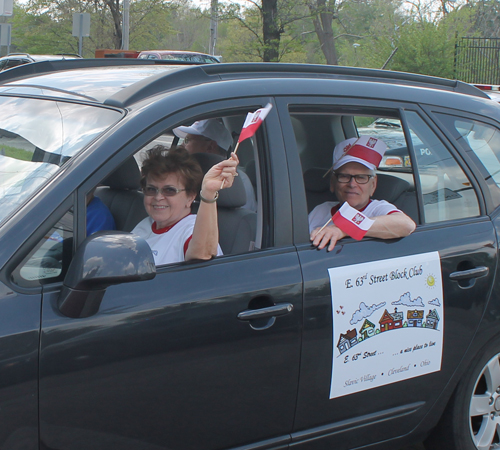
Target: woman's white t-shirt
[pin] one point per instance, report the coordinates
(169, 245)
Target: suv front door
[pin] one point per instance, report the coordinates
(167, 363)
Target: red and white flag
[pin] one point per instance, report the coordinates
(253, 122)
(352, 221)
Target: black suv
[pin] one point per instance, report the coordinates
(276, 344)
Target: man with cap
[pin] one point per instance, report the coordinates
(354, 181)
(211, 136)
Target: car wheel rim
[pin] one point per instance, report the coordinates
(484, 410)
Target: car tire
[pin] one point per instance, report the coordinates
(472, 418)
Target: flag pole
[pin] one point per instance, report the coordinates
(323, 227)
(235, 150)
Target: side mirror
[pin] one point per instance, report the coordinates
(104, 259)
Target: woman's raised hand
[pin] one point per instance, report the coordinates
(220, 176)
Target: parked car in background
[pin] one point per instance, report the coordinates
(17, 59)
(179, 55)
(492, 90)
(274, 345)
(113, 53)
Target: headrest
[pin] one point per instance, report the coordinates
(316, 181)
(126, 176)
(233, 197)
(389, 187)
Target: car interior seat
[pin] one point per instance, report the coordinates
(237, 225)
(120, 192)
(389, 188)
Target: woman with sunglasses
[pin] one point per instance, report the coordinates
(354, 181)
(171, 180)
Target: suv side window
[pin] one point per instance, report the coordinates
(239, 208)
(481, 141)
(14, 63)
(317, 134)
(447, 192)
(50, 258)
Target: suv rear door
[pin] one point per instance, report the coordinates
(373, 373)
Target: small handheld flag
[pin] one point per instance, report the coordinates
(352, 221)
(253, 121)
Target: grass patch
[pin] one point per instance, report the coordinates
(16, 153)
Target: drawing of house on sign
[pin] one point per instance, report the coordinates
(415, 317)
(432, 320)
(391, 321)
(347, 340)
(367, 330)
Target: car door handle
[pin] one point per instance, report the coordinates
(270, 311)
(477, 272)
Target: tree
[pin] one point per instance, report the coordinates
(266, 22)
(45, 26)
(40, 33)
(427, 45)
(323, 14)
(487, 18)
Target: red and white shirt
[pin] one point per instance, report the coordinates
(324, 212)
(169, 245)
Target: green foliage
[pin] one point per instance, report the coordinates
(39, 33)
(16, 153)
(243, 30)
(365, 32)
(425, 48)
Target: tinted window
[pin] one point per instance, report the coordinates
(15, 62)
(447, 192)
(50, 258)
(240, 212)
(316, 136)
(482, 142)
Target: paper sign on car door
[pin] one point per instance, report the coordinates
(388, 322)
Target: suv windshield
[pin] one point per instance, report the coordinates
(36, 138)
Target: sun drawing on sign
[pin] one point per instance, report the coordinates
(430, 281)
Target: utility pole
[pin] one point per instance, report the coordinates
(125, 25)
(213, 26)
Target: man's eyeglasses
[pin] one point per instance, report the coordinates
(196, 139)
(166, 191)
(359, 178)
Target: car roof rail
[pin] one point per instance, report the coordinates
(45, 67)
(196, 74)
(204, 73)
(362, 72)
(160, 82)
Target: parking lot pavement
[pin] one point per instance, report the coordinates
(414, 447)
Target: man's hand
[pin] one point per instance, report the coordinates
(330, 234)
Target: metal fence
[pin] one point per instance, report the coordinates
(477, 60)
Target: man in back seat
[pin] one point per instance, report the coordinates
(354, 181)
(211, 136)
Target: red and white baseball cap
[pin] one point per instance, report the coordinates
(365, 150)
